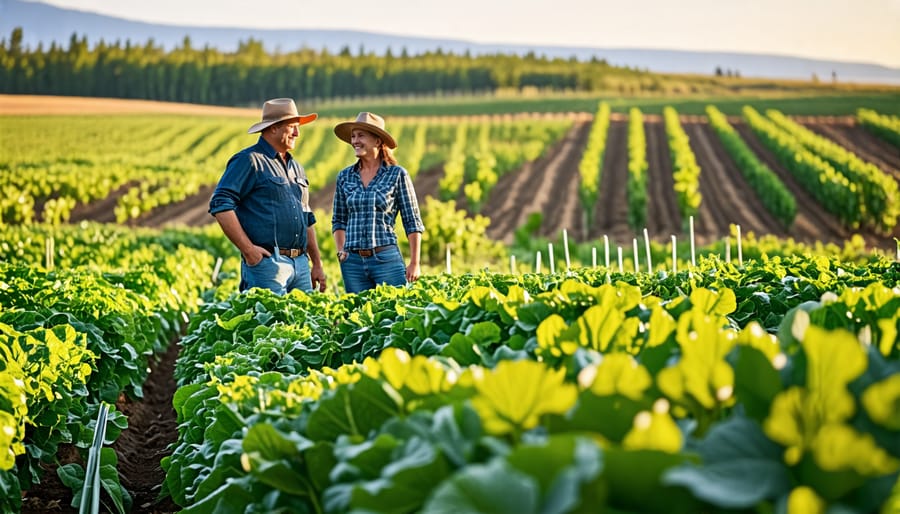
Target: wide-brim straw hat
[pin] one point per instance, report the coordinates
(280, 109)
(366, 121)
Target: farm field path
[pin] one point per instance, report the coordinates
(611, 210)
(725, 190)
(152, 426)
(548, 186)
(663, 215)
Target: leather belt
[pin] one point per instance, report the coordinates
(291, 252)
(287, 252)
(371, 251)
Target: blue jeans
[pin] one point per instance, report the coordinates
(361, 273)
(278, 273)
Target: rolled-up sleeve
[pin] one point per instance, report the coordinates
(234, 185)
(339, 211)
(409, 206)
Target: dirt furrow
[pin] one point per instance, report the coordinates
(611, 211)
(538, 187)
(663, 216)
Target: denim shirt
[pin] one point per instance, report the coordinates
(368, 213)
(270, 198)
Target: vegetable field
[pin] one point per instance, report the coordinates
(751, 374)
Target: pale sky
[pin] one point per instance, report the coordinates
(852, 30)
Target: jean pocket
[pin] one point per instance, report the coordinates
(390, 255)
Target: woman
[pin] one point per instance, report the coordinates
(367, 198)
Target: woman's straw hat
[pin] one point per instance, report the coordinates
(280, 109)
(366, 121)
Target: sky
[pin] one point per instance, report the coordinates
(865, 31)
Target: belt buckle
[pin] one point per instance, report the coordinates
(366, 253)
(295, 252)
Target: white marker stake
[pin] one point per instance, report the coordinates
(621, 268)
(512, 264)
(647, 248)
(693, 255)
(537, 263)
(728, 249)
(740, 254)
(449, 268)
(594, 256)
(606, 250)
(637, 266)
(550, 258)
(674, 257)
(566, 249)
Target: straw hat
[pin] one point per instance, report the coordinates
(366, 121)
(280, 109)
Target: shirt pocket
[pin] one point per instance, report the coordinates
(276, 188)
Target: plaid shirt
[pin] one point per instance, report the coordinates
(271, 199)
(368, 213)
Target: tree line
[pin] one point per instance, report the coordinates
(250, 74)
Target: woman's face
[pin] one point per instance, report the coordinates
(365, 143)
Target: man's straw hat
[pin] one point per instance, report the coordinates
(366, 121)
(280, 109)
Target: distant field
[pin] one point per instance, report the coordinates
(812, 104)
(26, 105)
(790, 104)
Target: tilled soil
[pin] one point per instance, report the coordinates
(151, 429)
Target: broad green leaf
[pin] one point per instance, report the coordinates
(714, 303)
(598, 326)
(756, 382)
(404, 483)
(272, 444)
(352, 409)
(834, 359)
(563, 465)
(882, 402)
(661, 326)
(702, 375)
(617, 373)
(635, 482)
(513, 396)
(739, 467)
(493, 488)
(555, 336)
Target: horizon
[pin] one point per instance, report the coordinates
(677, 29)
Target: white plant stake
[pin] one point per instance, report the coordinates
(740, 254)
(647, 248)
(594, 257)
(566, 249)
(693, 255)
(674, 257)
(550, 258)
(728, 249)
(606, 249)
(512, 264)
(621, 268)
(537, 263)
(449, 268)
(637, 266)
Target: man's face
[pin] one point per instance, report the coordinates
(284, 135)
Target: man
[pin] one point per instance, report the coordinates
(262, 205)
